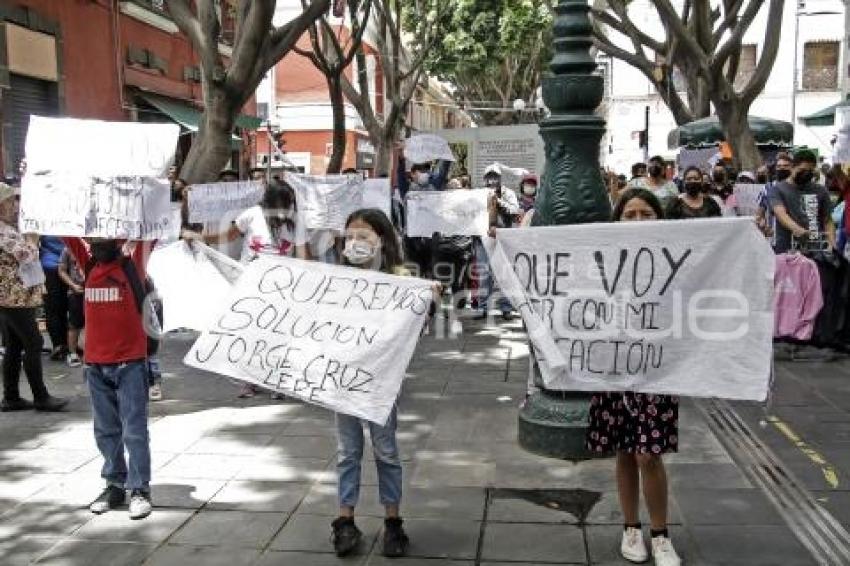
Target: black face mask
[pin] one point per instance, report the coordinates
(655, 170)
(803, 178)
(693, 188)
(782, 174)
(105, 252)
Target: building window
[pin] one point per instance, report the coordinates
(820, 66)
(746, 66)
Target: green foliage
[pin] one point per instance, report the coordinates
(489, 50)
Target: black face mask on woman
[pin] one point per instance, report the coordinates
(693, 188)
(106, 251)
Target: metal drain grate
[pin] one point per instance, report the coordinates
(815, 527)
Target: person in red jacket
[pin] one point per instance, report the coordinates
(116, 370)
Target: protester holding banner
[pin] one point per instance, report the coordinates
(640, 427)
(116, 369)
(504, 206)
(370, 243)
(693, 203)
(21, 289)
(271, 227)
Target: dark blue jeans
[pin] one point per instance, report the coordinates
(119, 398)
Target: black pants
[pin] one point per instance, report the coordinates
(56, 308)
(23, 342)
(450, 269)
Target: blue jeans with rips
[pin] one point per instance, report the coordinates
(349, 434)
(119, 398)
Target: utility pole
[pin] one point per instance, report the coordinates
(646, 134)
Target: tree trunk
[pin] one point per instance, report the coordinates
(733, 118)
(339, 142)
(383, 154)
(211, 148)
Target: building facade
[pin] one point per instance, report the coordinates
(103, 59)
(807, 78)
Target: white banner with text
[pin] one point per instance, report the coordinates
(334, 336)
(451, 213)
(669, 307)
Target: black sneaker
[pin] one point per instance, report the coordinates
(346, 536)
(395, 539)
(112, 497)
(8, 405)
(50, 404)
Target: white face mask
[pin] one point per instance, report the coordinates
(529, 190)
(423, 179)
(359, 252)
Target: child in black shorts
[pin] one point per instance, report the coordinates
(73, 277)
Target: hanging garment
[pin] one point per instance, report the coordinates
(797, 296)
(832, 321)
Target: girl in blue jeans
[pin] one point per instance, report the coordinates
(370, 243)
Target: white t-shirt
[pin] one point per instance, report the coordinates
(257, 236)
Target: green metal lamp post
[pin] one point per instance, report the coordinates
(553, 423)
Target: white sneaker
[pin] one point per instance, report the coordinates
(663, 552)
(74, 360)
(633, 548)
(155, 392)
(140, 504)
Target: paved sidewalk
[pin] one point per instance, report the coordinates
(253, 482)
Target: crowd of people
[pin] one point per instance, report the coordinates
(99, 285)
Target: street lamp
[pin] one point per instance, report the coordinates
(801, 5)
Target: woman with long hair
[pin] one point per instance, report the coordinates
(639, 427)
(370, 243)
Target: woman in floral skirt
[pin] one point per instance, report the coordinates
(640, 428)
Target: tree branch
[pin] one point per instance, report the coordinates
(202, 34)
(734, 41)
(770, 47)
(670, 18)
(283, 38)
(729, 20)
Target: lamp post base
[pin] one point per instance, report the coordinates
(554, 424)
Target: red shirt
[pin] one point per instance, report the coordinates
(114, 330)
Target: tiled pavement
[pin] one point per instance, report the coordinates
(252, 481)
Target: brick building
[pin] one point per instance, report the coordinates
(106, 59)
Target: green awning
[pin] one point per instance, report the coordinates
(247, 122)
(707, 132)
(824, 117)
(189, 117)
